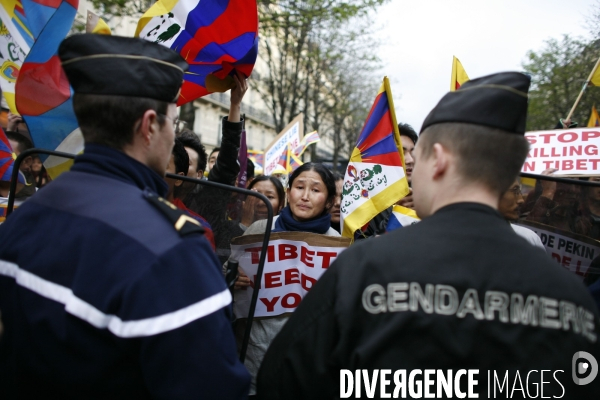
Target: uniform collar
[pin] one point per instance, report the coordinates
(106, 161)
(471, 207)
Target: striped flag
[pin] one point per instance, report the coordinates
(215, 37)
(401, 217)
(7, 159)
(306, 141)
(375, 178)
(43, 95)
(594, 118)
(459, 75)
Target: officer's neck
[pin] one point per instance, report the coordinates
(465, 194)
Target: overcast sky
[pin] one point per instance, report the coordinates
(486, 36)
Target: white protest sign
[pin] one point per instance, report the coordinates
(291, 134)
(294, 263)
(573, 251)
(571, 151)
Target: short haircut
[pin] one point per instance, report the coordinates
(489, 156)
(191, 140)
(407, 130)
(276, 182)
(249, 169)
(111, 120)
(325, 174)
(214, 151)
(23, 141)
(181, 158)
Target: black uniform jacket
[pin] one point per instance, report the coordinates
(459, 290)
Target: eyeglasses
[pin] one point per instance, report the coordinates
(175, 122)
(516, 191)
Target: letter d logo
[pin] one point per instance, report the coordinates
(582, 367)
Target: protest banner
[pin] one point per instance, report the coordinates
(294, 263)
(571, 151)
(573, 251)
(292, 134)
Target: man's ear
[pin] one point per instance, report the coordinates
(199, 174)
(441, 158)
(147, 126)
(179, 182)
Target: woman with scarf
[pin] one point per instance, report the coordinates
(310, 195)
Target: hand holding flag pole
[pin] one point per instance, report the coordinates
(594, 79)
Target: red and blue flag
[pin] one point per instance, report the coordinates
(215, 37)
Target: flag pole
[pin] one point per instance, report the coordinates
(583, 90)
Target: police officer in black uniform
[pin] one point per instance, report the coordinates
(106, 289)
(457, 305)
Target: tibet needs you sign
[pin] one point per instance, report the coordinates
(571, 151)
(294, 263)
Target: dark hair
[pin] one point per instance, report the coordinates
(23, 141)
(111, 120)
(407, 130)
(276, 182)
(337, 176)
(249, 169)
(489, 156)
(214, 151)
(191, 140)
(182, 160)
(325, 175)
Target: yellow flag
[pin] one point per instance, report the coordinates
(594, 118)
(459, 75)
(95, 24)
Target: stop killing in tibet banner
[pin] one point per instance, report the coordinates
(294, 263)
(571, 151)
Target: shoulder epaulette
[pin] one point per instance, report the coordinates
(183, 223)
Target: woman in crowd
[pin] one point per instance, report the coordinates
(254, 209)
(310, 196)
(39, 173)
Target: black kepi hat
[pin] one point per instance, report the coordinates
(121, 66)
(497, 101)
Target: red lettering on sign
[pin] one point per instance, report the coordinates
(272, 279)
(567, 165)
(255, 254)
(270, 304)
(563, 137)
(291, 300)
(531, 139)
(306, 256)
(589, 135)
(327, 256)
(306, 280)
(287, 252)
(292, 276)
(581, 164)
(547, 136)
(529, 166)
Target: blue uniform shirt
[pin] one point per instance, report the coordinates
(102, 298)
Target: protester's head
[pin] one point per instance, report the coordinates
(19, 144)
(311, 191)
(408, 138)
(249, 171)
(125, 94)
(471, 146)
(196, 153)
(178, 164)
(337, 202)
(511, 201)
(272, 189)
(212, 158)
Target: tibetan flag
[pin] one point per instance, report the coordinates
(257, 158)
(375, 178)
(594, 118)
(215, 37)
(401, 217)
(306, 141)
(95, 24)
(459, 75)
(595, 75)
(16, 37)
(7, 158)
(43, 95)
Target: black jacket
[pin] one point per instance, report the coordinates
(423, 297)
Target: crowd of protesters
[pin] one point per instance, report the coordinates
(206, 219)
